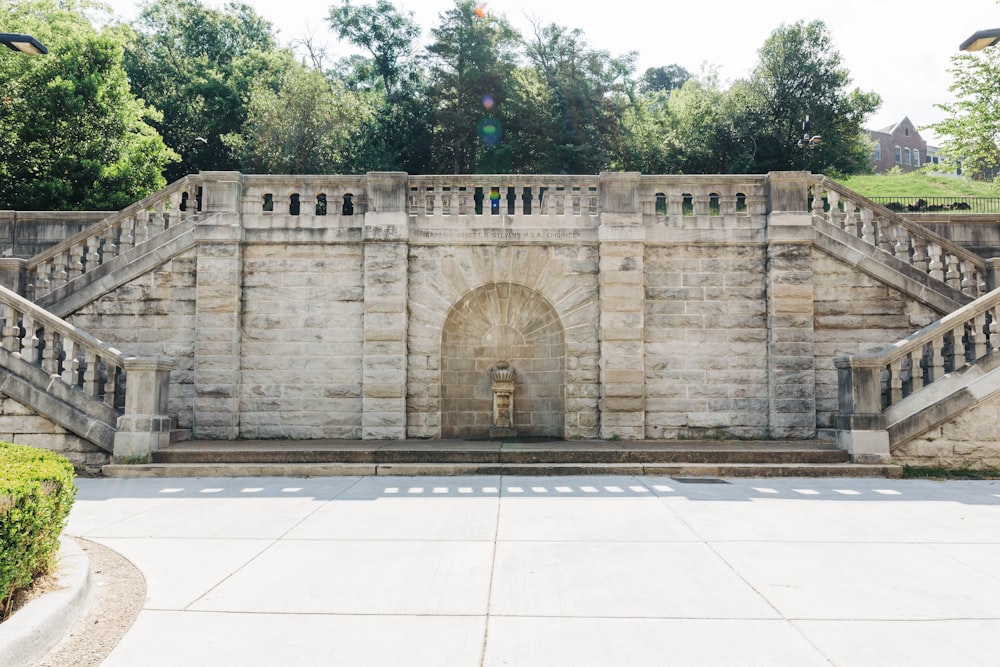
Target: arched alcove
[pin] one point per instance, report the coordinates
(502, 322)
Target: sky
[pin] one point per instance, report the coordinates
(900, 49)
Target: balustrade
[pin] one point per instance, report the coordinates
(65, 353)
(894, 235)
(115, 235)
(304, 195)
(510, 195)
(947, 346)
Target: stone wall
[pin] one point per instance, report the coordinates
(154, 316)
(972, 439)
(301, 348)
(854, 313)
(22, 425)
(706, 341)
(24, 234)
(629, 307)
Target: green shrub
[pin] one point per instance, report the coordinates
(36, 494)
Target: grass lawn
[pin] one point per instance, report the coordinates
(920, 184)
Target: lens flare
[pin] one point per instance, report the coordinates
(488, 101)
(489, 130)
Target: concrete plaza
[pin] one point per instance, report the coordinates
(553, 571)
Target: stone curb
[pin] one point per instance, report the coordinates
(33, 631)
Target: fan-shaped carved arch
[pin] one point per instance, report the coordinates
(502, 322)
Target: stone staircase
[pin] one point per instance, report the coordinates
(316, 458)
(872, 239)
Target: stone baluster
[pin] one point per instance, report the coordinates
(867, 227)
(50, 352)
(902, 246)
(143, 224)
(111, 377)
(110, 244)
(994, 333)
(817, 201)
(568, 198)
(980, 331)
(29, 344)
(970, 281)
(126, 238)
(59, 274)
(437, 200)
(43, 284)
(917, 371)
(919, 260)
(896, 373)
(935, 360)
(886, 231)
(71, 365)
(166, 213)
(90, 373)
(11, 329)
(74, 269)
(953, 277)
(934, 266)
(835, 216)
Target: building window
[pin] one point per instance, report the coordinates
(906, 131)
(878, 151)
(899, 155)
(906, 156)
(916, 158)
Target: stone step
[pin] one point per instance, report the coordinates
(318, 458)
(454, 452)
(694, 470)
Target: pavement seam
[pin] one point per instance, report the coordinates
(493, 566)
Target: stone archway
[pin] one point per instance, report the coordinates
(502, 322)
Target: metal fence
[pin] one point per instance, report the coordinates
(936, 204)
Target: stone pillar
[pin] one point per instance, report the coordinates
(145, 426)
(860, 422)
(386, 259)
(623, 299)
(992, 273)
(12, 274)
(218, 298)
(790, 317)
(221, 191)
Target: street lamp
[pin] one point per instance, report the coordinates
(808, 142)
(23, 43)
(980, 40)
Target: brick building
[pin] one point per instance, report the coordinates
(898, 145)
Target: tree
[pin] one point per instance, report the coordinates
(585, 94)
(972, 127)
(664, 78)
(198, 66)
(800, 74)
(472, 60)
(307, 126)
(73, 135)
(396, 136)
(383, 31)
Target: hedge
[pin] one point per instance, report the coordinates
(36, 495)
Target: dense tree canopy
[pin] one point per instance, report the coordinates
(188, 87)
(72, 136)
(198, 66)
